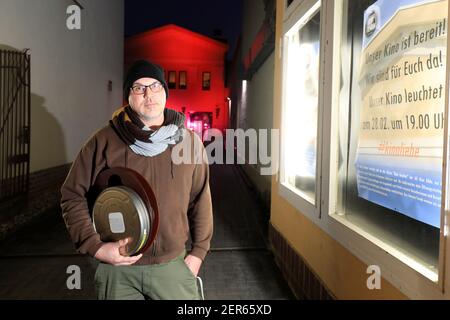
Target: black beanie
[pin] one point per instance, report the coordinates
(143, 69)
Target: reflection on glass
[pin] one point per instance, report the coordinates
(302, 84)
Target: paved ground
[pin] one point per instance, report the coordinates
(34, 260)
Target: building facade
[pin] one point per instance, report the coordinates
(75, 69)
(251, 90)
(194, 67)
(359, 209)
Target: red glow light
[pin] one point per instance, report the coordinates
(164, 45)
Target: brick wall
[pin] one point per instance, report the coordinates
(302, 280)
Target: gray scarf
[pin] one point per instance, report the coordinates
(141, 139)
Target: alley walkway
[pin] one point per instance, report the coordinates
(34, 260)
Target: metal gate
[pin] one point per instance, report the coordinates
(14, 123)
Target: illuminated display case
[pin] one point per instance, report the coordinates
(364, 99)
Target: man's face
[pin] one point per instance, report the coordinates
(148, 105)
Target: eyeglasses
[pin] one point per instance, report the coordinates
(140, 88)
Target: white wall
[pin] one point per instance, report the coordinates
(260, 96)
(70, 70)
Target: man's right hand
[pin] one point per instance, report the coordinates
(110, 253)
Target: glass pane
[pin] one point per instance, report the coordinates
(182, 80)
(392, 97)
(302, 86)
(172, 79)
(206, 83)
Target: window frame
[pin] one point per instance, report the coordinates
(301, 15)
(290, 9)
(398, 269)
(444, 255)
(180, 86)
(203, 81)
(171, 85)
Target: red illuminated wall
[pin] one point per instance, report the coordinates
(178, 49)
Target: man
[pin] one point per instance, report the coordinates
(141, 136)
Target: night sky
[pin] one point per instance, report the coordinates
(202, 16)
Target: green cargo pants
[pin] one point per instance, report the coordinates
(166, 281)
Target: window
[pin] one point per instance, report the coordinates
(182, 82)
(362, 129)
(206, 80)
(391, 99)
(172, 80)
(300, 105)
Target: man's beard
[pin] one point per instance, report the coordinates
(150, 118)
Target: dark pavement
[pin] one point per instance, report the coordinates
(35, 259)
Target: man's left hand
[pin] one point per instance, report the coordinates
(194, 263)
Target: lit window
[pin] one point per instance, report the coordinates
(206, 80)
(182, 82)
(172, 79)
(300, 108)
(390, 140)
